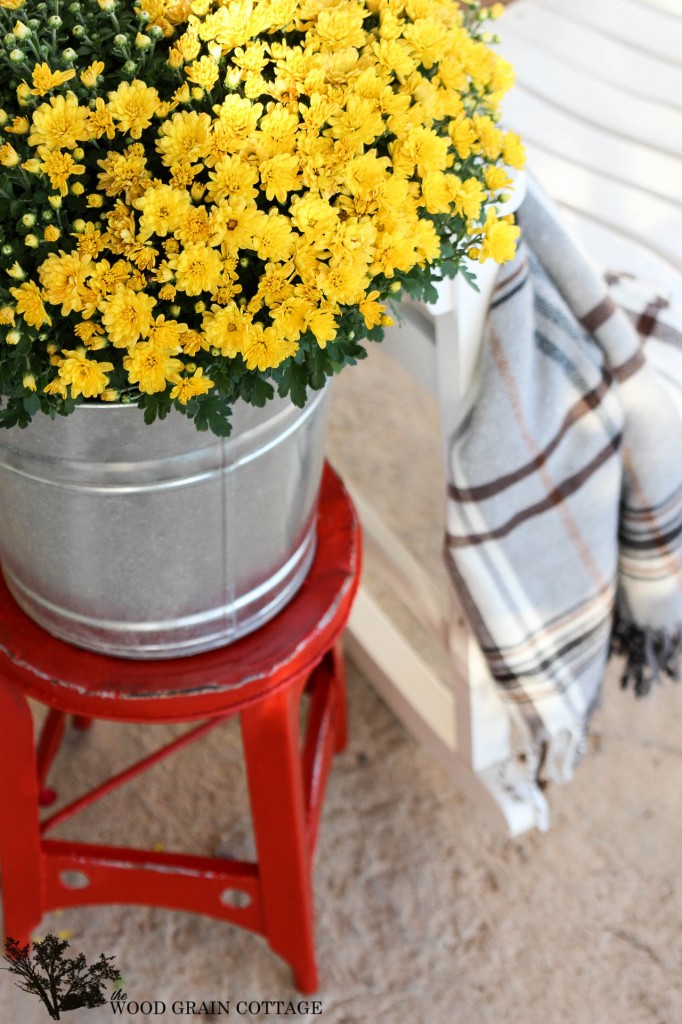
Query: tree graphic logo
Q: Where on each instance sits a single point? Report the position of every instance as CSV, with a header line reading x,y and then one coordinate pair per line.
x,y
60,982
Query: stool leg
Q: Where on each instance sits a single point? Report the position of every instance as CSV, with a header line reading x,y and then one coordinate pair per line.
x,y
341,707
273,765
20,853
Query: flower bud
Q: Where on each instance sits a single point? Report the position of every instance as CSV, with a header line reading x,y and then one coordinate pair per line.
x,y
3,118
28,220
55,201
29,381
175,311
16,56
129,68
13,337
32,241
74,8
395,286
9,39
95,200
21,31
200,307
190,367
79,31
109,395
51,233
155,32
79,226
78,153
197,93
54,22
69,55
78,188
120,41
7,250
142,41
107,5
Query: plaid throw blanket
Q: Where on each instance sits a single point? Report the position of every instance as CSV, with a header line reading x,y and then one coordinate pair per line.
x,y
564,519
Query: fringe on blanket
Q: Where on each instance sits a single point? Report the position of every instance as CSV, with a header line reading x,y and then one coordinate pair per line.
x,y
649,653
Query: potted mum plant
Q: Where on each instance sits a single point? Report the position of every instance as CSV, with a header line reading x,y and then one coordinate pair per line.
x,y
207,206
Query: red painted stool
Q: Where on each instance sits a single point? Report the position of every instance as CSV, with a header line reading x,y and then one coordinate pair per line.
x,y
260,677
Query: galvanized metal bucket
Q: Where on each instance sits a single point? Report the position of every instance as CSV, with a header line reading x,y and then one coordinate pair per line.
x,y
158,541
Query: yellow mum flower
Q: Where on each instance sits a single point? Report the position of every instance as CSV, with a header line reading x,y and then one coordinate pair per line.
x,y
163,209
86,376
513,151
132,106
151,368
225,328
63,279
425,40
91,74
127,316
7,316
185,138
44,79
167,335
51,233
91,241
29,301
232,176
19,126
238,119
59,167
371,310
56,387
499,239
124,174
279,176
467,196
203,72
8,155
189,387
198,269
265,348
60,124
100,121
489,136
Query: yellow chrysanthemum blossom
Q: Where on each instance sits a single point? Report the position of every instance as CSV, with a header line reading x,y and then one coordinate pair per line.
x,y
186,388
60,124
151,367
86,376
499,239
127,316
132,107
44,79
63,279
29,300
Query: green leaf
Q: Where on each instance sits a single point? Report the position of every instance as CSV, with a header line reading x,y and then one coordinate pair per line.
x,y
214,415
294,383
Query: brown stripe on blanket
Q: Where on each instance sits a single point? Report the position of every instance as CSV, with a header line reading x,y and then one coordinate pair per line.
x,y
670,558
630,366
586,403
511,386
646,322
599,314
554,499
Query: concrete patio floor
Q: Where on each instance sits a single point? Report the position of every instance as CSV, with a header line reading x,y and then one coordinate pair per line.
x,y
424,914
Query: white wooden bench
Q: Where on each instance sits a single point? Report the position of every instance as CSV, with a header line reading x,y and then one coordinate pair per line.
x,y
598,103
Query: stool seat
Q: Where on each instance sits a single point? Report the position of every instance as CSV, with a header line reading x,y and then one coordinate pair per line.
x,y
86,683
262,678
